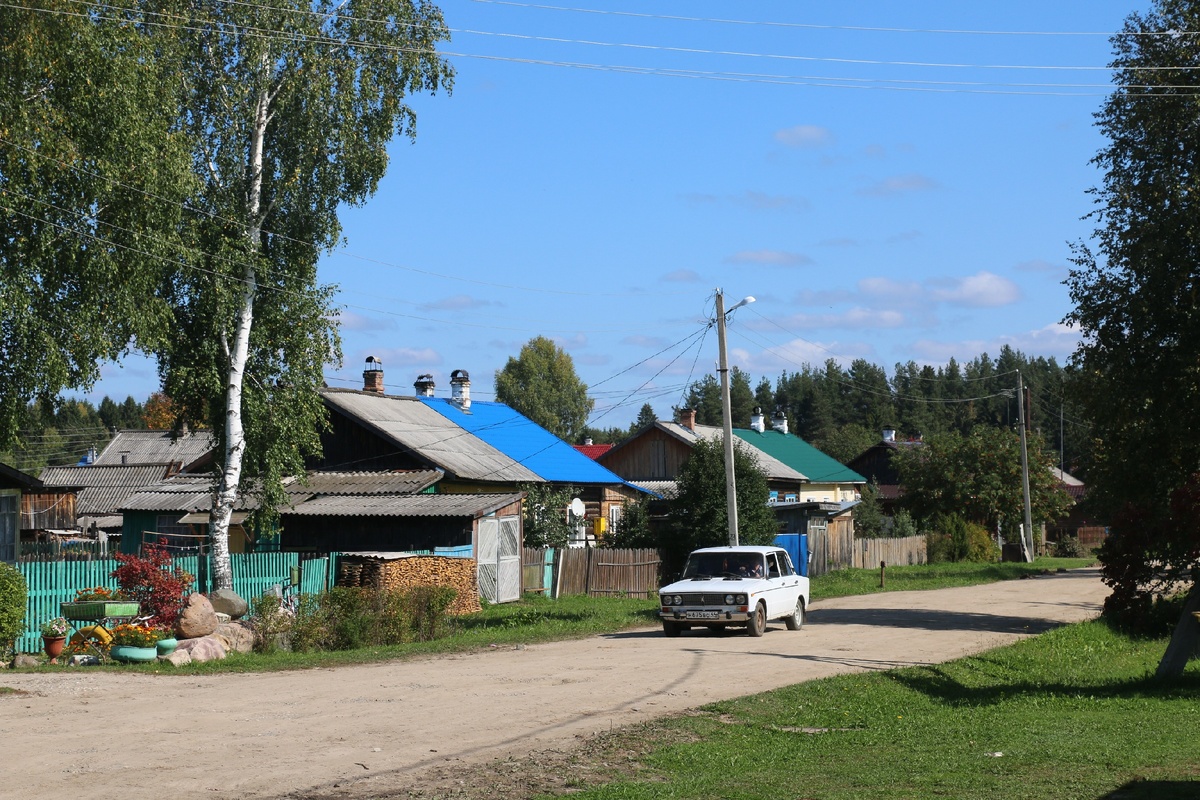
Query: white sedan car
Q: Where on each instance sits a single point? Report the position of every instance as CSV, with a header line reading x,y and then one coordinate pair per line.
x,y
735,587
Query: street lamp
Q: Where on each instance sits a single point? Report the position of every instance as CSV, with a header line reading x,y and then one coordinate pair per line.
x,y
726,422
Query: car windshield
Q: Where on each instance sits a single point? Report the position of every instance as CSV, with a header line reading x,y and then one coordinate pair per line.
x,y
728,565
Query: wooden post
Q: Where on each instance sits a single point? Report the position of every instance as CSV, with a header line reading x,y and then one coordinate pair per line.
x,y
882,568
587,575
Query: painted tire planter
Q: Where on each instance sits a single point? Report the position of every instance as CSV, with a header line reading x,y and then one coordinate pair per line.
x,y
129,654
165,647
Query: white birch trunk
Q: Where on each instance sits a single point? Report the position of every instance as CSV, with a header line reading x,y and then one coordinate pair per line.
x,y
235,437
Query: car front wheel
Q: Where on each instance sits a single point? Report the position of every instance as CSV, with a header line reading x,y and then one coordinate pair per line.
x,y
671,628
758,621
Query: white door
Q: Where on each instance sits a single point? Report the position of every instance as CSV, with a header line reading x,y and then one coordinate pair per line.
x,y
498,560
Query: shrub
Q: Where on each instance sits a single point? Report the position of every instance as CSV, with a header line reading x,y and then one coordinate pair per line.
x,y
427,609
154,582
952,538
271,622
1069,547
13,594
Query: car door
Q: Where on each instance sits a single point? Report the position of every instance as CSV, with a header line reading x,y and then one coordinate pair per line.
x,y
785,584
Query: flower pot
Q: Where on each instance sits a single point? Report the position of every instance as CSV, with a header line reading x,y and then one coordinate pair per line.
x,y
166,646
128,653
53,645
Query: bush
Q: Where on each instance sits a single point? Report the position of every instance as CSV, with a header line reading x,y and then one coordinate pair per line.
x,y
426,607
13,594
952,538
1069,547
155,582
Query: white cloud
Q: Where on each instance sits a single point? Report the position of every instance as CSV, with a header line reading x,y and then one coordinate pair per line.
x,y
1056,271
760,201
981,290
898,184
649,342
771,258
682,276
408,356
804,136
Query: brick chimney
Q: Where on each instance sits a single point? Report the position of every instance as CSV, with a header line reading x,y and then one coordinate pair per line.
x,y
687,418
424,385
460,389
373,375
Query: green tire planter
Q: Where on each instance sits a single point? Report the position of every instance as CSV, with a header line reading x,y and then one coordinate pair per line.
x,y
129,654
166,646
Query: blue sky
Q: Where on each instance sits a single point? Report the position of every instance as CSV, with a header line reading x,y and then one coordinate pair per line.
x,y
891,181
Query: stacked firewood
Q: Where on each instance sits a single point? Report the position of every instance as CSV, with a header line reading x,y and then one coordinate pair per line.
x,y
409,572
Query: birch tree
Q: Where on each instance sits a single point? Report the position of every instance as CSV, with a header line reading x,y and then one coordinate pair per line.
x,y
289,108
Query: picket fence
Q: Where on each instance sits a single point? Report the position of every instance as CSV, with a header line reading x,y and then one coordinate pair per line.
x,y
53,582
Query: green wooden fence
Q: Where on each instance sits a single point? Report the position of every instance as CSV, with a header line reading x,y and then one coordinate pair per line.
x,y
54,582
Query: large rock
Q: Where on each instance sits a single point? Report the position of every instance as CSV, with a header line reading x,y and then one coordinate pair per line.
x,y
179,657
197,618
236,637
206,648
22,660
227,601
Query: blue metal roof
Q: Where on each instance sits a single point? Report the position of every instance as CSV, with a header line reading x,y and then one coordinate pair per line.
x,y
524,441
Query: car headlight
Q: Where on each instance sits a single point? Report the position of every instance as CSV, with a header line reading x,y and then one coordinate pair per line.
x,y
665,599
678,600
728,599
741,599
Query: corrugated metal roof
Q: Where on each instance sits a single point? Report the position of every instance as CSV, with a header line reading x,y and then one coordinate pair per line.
x,y
773,467
664,489
799,454
524,441
415,426
102,489
366,483
410,505
155,447
182,493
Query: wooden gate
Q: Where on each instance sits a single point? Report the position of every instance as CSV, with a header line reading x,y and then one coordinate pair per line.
x,y
499,559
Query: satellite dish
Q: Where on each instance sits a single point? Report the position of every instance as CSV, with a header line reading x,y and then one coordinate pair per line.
x,y
577,508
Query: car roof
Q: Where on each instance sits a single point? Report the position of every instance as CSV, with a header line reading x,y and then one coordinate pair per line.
x,y
745,548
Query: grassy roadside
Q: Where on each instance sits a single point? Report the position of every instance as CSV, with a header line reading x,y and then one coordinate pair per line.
x,y
537,619
1070,714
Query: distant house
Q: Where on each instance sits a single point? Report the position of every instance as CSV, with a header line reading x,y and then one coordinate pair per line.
x,y
875,464
133,460
796,471
481,447
30,510
593,451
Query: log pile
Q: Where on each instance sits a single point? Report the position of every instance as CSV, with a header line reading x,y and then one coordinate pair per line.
x,y
408,572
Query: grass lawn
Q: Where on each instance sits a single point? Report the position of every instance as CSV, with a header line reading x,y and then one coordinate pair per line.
x,y
1070,714
845,582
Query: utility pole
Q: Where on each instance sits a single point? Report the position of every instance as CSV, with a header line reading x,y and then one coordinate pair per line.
x,y
1027,527
726,421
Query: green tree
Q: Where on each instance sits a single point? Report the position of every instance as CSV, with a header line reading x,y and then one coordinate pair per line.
x,y
704,396
847,442
645,418
284,131
541,383
633,527
979,477
93,175
546,514
1137,303
699,511
868,514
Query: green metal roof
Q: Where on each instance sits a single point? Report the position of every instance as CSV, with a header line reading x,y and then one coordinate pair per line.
x,y
800,456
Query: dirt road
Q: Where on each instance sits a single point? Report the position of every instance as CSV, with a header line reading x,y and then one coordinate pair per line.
x,y
361,730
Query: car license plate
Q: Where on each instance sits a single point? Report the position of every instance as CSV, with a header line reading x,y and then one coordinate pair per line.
x,y
702,614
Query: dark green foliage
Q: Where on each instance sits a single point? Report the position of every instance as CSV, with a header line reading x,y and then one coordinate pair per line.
x,y
952,538
1069,547
13,595
545,509
979,476
633,528
541,383
1136,302
699,512
868,514
426,609
352,618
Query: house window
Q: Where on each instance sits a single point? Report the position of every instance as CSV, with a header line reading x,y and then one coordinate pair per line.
x,y
614,515
9,526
